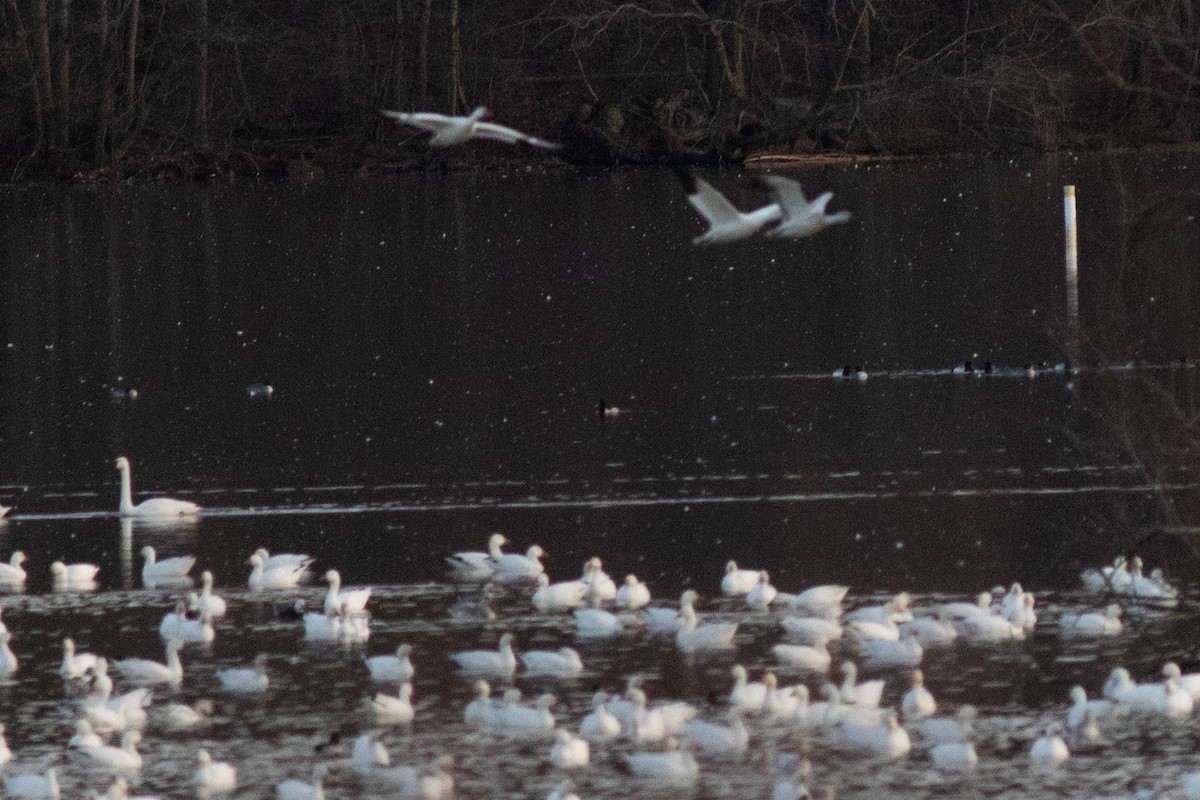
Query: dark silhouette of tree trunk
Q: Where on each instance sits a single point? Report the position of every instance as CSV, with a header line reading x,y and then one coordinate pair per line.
x,y
202,137
64,72
131,54
101,149
399,73
456,90
423,53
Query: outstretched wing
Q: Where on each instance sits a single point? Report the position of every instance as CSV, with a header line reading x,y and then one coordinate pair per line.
x,y
423,120
789,195
711,204
500,133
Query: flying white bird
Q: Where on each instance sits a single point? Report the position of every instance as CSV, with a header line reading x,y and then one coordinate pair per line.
x,y
800,217
725,223
449,131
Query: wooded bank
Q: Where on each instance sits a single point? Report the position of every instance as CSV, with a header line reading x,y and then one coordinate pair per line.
x,y
117,88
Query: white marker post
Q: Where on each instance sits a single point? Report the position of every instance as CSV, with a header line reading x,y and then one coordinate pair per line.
x,y
1071,252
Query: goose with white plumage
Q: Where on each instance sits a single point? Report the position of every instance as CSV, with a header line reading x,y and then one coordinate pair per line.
x,y
155,507
501,662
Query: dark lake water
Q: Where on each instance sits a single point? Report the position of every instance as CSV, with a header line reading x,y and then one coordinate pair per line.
x,y
438,345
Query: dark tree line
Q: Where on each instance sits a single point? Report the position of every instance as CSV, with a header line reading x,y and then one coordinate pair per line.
x,y
132,86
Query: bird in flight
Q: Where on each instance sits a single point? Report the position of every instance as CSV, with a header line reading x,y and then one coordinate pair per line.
x,y
449,131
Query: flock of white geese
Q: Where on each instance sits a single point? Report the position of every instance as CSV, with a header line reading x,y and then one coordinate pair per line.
x,y
654,743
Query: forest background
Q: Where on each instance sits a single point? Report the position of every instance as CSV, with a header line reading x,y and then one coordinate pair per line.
x,y
122,88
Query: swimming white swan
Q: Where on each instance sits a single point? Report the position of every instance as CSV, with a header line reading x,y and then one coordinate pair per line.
x,y
892,613
739,581
712,737
246,680
213,777
962,611
475,563
33,787
633,594
169,570
500,662
886,740
762,594
800,217
75,665
284,577
1113,578
118,713
207,603
12,573
123,758
1050,747
354,602
569,751
178,717
299,790
725,223
1022,614
785,702
155,506
1153,589
393,709
552,597
396,668
1166,697
563,663
866,694
513,567
448,131
73,576
144,672
918,701
673,766
481,712
600,724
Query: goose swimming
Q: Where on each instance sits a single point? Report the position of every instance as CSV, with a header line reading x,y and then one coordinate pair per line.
x,y
762,594
123,758
246,680
168,570
299,790
75,665
712,737
569,751
282,577
1050,747
396,668
155,506
672,767
178,717
501,662
434,782
798,216
480,712
692,636
563,663
886,740
213,777
739,581
207,603
552,597
73,576
746,696
633,594
1092,623
449,131
514,567
600,724
12,573
143,672
346,603
918,702
475,563
393,709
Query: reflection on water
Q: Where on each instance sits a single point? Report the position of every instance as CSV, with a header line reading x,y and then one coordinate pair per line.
x,y
438,346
